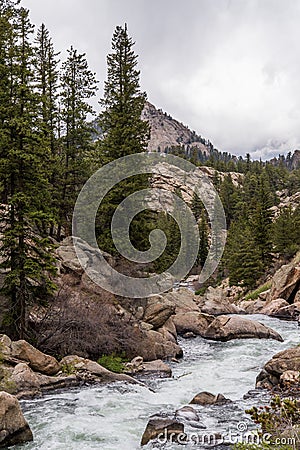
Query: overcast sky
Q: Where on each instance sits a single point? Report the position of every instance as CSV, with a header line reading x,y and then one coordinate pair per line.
x,y
229,69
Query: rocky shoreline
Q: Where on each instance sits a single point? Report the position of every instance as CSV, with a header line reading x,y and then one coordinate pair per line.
x,y
217,315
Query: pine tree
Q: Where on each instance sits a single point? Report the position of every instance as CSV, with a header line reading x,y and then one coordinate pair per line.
x,y
196,206
78,86
46,76
46,85
25,254
261,220
203,236
242,258
286,232
229,198
125,133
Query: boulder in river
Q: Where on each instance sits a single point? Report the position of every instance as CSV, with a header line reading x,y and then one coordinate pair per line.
x,y
206,398
14,429
192,321
154,345
225,328
287,360
165,430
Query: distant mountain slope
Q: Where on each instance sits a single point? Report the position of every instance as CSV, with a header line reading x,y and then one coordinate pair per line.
x,y
167,132
168,135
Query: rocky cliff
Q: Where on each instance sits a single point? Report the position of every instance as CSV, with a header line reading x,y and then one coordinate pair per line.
x,y
167,132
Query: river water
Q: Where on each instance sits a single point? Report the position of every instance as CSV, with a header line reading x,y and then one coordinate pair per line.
x,y
114,417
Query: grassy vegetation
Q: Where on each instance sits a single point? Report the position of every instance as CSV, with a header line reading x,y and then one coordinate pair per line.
x,y
253,295
114,363
68,369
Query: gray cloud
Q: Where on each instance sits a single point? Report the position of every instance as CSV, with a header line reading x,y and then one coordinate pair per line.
x,y
227,68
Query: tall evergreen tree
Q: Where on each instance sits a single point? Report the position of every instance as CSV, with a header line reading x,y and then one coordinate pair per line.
x,y
203,236
242,257
261,220
46,78
25,254
286,232
125,133
78,86
46,85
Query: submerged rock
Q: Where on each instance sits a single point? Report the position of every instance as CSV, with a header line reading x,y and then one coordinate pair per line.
x,y
225,328
14,429
189,415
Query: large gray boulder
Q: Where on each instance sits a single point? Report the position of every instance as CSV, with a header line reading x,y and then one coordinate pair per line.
x,y
192,322
287,360
225,328
37,360
154,345
14,429
158,310
252,306
184,300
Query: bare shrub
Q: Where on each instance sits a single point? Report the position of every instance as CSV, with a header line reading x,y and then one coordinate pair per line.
x,y
86,327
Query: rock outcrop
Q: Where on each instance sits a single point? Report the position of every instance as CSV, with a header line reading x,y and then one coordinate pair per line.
x,y
215,302
286,282
27,377
14,429
153,368
168,132
273,370
271,308
152,335
225,328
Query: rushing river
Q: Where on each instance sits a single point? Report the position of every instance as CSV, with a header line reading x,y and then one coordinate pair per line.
x,y
114,417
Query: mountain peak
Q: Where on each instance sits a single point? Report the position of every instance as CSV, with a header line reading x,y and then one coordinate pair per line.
x,y
167,132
